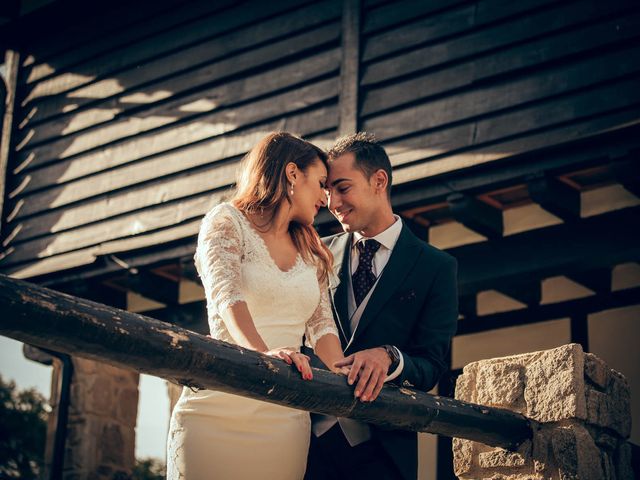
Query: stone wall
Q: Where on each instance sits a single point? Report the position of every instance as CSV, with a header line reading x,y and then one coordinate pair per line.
x,y
102,418
579,408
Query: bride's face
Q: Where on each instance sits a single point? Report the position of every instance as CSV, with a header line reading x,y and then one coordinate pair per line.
x,y
309,193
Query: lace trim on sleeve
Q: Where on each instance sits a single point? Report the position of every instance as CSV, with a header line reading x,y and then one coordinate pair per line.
x,y
321,323
218,257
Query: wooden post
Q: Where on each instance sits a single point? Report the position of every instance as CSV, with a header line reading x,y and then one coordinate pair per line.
x,y
349,69
60,322
12,63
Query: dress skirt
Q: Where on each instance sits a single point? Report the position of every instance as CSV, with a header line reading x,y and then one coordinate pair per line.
x,y
218,436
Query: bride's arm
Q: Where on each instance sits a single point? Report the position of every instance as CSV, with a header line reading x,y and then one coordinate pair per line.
x,y
240,325
322,333
329,350
218,261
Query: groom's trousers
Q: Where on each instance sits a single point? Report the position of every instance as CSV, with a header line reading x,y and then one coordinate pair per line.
x,y
332,458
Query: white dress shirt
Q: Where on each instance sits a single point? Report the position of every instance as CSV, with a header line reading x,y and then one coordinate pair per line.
x,y
354,431
387,240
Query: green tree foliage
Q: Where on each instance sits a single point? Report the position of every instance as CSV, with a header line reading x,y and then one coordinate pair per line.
x,y
148,469
23,431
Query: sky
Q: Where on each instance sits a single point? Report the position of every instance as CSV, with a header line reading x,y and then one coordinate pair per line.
x,y
153,406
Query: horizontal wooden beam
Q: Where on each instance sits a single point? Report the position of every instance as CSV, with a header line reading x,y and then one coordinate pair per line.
x,y
526,291
553,311
555,196
476,215
593,243
581,154
152,286
598,280
60,322
627,172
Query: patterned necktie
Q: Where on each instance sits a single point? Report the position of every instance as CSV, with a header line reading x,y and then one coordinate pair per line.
x,y
363,278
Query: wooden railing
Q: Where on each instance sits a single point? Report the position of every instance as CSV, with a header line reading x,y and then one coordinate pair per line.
x,y
72,325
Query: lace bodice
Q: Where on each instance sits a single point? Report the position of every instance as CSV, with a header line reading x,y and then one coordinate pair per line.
x,y
235,265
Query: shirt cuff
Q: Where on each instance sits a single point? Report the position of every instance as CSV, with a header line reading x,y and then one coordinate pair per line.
x,y
396,373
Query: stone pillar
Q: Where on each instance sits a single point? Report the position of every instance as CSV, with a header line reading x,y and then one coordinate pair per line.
x,y
102,418
580,411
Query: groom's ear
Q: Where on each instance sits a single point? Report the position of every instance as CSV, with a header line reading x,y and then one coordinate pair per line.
x,y
380,180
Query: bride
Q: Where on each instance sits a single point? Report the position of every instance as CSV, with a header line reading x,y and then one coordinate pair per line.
x,y
264,271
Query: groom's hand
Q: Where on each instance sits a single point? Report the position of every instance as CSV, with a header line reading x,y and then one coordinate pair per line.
x,y
370,368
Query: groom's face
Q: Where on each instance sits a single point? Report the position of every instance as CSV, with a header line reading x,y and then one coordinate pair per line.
x,y
351,196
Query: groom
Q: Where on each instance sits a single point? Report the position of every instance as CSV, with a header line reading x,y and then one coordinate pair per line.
x,y
395,303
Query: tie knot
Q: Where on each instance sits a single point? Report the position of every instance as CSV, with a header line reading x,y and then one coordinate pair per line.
x,y
368,248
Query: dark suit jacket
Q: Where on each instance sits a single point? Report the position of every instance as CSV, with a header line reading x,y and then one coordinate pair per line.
x,y
413,307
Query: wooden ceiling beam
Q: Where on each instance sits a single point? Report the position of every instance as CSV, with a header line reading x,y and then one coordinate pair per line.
x,y
555,196
192,316
476,215
152,286
627,172
553,311
597,242
188,270
527,292
597,280
468,305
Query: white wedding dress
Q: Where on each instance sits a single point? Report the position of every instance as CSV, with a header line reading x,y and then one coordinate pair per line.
x,y
216,435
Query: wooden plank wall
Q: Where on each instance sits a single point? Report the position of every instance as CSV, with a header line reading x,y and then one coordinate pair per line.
x,y
452,84
130,129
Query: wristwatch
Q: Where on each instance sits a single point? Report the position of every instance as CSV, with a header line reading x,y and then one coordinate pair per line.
x,y
393,355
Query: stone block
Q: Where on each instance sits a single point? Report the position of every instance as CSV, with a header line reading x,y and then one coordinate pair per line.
x,y
112,445
501,385
103,411
127,406
611,409
101,394
554,387
504,458
466,383
622,462
462,456
596,371
576,454
580,409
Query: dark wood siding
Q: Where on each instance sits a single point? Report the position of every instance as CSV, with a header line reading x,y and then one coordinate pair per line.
x,y
449,85
130,126
128,137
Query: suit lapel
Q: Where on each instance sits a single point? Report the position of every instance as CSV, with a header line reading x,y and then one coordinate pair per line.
x,y
402,259
340,247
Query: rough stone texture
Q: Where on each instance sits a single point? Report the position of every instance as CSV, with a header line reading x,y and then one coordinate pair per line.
x,y
596,371
554,387
501,385
102,418
505,458
463,456
580,410
576,454
609,408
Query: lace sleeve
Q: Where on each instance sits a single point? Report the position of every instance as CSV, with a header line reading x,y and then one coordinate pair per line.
x,y
218,256
321,323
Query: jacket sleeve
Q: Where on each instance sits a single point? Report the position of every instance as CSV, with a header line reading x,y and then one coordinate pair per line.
x,y
425,356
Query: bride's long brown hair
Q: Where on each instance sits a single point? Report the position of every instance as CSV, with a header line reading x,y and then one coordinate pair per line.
x,y
262,189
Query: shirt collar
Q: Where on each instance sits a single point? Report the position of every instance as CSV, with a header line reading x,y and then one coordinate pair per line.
x,y
387,238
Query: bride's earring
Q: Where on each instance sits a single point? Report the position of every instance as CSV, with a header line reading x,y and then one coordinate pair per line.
x,y
292,185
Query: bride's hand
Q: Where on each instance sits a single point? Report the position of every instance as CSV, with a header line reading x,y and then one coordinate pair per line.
x,y
293,357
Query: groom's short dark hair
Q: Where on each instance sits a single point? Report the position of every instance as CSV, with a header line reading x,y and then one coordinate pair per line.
x,y
369,155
